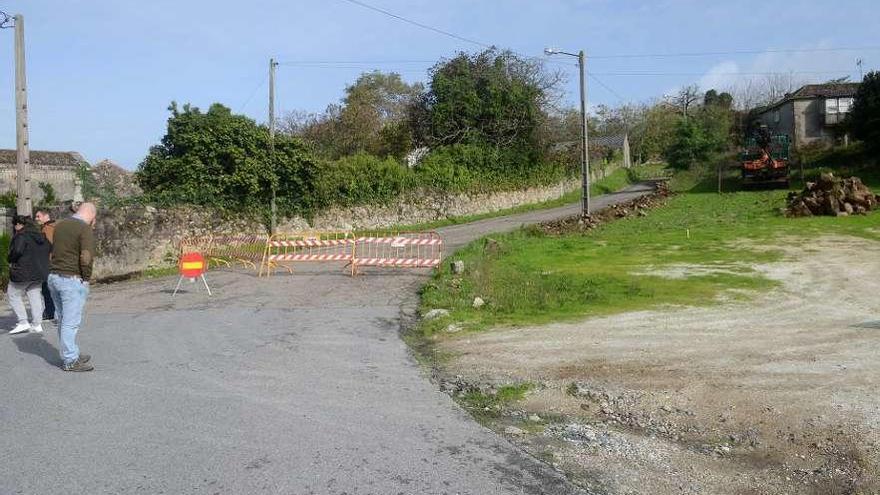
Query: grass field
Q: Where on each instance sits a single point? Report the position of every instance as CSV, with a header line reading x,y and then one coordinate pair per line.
x,y
615,181
528,277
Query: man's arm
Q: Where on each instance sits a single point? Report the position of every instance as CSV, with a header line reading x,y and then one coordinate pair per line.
x,y
16,249
86,253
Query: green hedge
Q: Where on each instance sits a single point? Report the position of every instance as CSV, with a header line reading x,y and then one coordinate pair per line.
x,y
366,179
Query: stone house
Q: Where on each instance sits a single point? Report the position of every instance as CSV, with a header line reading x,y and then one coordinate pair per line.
x,y
812,114
58,169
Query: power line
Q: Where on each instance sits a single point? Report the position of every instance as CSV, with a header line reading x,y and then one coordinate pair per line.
x,y
781,73
734,52
440,31
607,87
251,97
419,24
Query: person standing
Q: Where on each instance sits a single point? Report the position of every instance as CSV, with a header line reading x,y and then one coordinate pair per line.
x,y
28,268
71,268
47,225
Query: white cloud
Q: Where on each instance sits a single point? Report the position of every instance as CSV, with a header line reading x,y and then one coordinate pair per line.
x,y
784,71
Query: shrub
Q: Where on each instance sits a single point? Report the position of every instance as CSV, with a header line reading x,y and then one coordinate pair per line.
x,y
864,118
469,167
361,179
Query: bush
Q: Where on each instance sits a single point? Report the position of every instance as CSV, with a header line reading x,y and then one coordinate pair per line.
x,y
478,168
361,179
864,117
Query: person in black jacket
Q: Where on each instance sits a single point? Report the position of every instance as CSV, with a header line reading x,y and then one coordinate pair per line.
x,y
28,269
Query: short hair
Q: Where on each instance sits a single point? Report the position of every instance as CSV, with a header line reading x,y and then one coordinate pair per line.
x,y
21,220
45,211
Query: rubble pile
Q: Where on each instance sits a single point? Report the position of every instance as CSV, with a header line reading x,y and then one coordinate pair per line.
x,y
636,207
832,196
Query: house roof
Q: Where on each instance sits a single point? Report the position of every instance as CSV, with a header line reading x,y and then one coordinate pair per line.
x,y
812,91
43,159
831,90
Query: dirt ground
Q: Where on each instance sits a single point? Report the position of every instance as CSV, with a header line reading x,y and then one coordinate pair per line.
x,y
777,395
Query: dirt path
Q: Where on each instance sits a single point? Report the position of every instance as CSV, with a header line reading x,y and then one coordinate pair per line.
x,y
776,395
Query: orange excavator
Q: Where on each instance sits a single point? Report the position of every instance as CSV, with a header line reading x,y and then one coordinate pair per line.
x,y
765,159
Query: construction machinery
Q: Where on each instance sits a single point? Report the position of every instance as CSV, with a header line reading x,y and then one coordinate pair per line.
x,y
765,159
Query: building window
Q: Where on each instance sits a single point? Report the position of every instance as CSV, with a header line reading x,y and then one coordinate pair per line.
x,y
775,116
836,109
837,105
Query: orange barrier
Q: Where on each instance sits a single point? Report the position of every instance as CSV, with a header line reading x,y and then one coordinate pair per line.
x,y
402,250
226,249
284,249
386,249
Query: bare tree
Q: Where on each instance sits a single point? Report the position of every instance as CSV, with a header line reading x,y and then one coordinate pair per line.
x,y
686,97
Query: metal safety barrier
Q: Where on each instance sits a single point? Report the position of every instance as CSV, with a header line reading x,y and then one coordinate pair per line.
x,y
384,249
282,250
398,249
226,250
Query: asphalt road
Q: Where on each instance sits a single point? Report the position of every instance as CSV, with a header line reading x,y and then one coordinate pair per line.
x,y
289,385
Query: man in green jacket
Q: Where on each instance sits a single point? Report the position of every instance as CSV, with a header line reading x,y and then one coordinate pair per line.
x,y
73,254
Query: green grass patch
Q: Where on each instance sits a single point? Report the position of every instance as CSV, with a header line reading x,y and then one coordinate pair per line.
x,y
615,181
709,241
489,406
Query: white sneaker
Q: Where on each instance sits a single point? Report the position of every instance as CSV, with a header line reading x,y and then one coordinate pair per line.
x,y
38,328
20,328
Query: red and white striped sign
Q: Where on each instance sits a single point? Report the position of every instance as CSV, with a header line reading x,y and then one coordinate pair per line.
x,y
309,257
402,241
402,262
312,243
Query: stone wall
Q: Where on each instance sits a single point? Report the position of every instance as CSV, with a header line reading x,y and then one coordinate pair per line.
x,y
138,238
423,208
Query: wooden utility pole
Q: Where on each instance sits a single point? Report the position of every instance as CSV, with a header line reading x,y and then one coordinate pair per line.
x,y
23,189
273,222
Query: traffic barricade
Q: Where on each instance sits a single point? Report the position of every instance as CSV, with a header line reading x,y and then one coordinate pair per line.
x,y
400,250
283,250
246,250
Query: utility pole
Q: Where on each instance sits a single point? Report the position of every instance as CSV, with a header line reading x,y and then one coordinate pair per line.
x,y
274,211
585,148
23,161
585,152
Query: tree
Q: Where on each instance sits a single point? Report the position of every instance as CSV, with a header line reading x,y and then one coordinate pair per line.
x,y
370,118
721,100
654,133
689,145
491,98
220,159
686,97
864,116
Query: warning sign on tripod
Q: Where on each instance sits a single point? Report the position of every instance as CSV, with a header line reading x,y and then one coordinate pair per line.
x,y
192,266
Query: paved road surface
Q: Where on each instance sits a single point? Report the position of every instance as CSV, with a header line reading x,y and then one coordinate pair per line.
x,y
292,385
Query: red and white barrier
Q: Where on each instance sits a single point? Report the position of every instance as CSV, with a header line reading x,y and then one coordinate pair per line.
x,y
403,250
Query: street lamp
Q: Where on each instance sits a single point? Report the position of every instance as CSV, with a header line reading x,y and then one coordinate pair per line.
x,y
585,154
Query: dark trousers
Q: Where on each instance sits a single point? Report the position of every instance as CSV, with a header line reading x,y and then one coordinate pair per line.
x,y
49,311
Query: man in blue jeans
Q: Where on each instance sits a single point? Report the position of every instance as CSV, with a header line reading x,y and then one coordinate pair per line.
x,y
73,254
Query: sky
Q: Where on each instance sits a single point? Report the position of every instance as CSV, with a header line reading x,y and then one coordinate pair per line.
x,y
101,73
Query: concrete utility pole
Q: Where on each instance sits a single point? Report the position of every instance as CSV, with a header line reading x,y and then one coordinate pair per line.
x,y
23,189
274,211
585,148
585,152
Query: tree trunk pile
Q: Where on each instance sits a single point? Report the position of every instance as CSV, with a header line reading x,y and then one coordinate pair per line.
x,y
832,196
